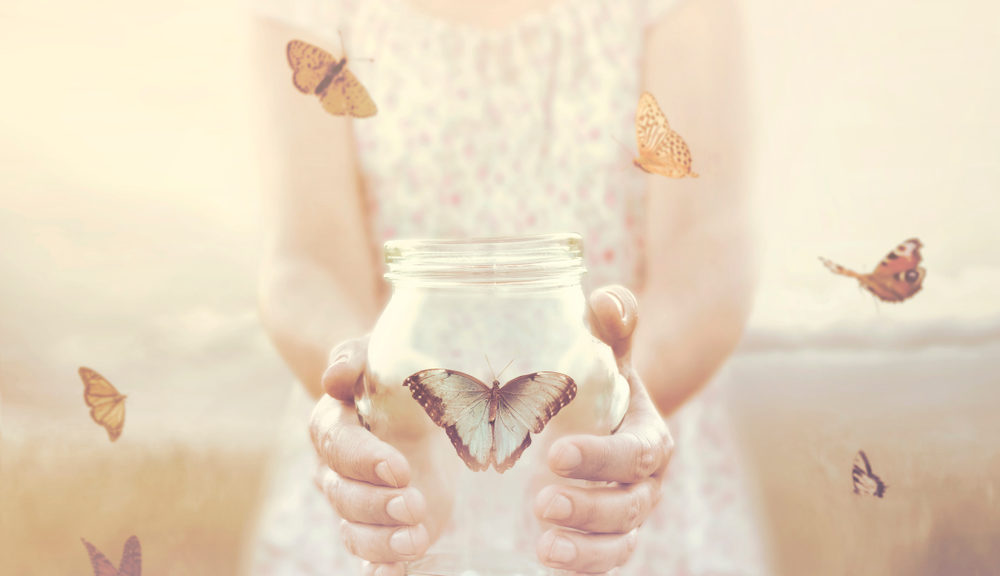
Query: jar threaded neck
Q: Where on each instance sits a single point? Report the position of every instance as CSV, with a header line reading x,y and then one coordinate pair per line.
x,y
548,260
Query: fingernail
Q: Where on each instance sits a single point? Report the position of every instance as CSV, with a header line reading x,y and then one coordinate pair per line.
x,y
618,303
568,458
398,510
559,508
341,358
401,542
384,472
562,551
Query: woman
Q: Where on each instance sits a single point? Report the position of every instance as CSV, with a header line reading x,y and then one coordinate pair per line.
x,y
499,119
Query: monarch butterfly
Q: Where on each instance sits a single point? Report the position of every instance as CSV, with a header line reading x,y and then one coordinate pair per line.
x,y
661,150
316,71
131,563
897,277
490,425
107,405
865,481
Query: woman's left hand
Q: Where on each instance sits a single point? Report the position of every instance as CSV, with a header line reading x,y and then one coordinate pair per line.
x,y
594,528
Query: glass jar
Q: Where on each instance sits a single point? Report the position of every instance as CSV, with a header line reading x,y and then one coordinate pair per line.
x,y
511,313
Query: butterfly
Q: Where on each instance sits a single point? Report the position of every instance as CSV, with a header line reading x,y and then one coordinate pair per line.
x,y
897,277
865,481
490,425
107,405
131,564
661,150
316,71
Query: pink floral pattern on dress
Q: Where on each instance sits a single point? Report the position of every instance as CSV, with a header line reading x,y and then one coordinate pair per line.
x,y
519,133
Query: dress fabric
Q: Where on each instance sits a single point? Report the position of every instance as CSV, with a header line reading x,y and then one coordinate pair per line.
x,y
512,131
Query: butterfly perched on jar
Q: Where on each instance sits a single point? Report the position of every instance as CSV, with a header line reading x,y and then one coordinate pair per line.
x,y
661,150
130,565
316,71
107,404
897,277
865,481
490,424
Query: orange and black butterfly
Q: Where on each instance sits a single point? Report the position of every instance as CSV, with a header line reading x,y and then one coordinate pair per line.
x,y
316,71
865,481
131,564
661,150
107,405
897,277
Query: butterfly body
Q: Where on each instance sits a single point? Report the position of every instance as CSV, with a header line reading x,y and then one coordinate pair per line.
x,y
897,277
107,405
316,71
490,424
865,481
130,565
661,150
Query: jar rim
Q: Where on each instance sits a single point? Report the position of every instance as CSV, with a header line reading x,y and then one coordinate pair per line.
x,y
538,260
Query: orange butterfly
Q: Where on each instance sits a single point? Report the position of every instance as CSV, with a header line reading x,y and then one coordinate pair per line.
x,y
897,277
107,405
661,150
131,564
316,71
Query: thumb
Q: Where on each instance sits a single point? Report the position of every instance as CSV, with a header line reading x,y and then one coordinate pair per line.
x,y
347,365
614,311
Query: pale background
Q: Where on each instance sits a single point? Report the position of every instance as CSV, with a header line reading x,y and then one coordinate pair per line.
x,y
129,220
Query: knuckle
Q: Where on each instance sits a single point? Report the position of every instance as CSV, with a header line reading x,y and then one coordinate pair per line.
x,y
646,456
627,547
634,505
348,538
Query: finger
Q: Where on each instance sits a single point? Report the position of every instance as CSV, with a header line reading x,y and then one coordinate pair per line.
x,y
614,312
606,509
588,553
352,451
347,364
367,504
373,569
627,456
385,544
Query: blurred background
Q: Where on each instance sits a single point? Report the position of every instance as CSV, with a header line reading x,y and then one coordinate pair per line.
x,y
129,236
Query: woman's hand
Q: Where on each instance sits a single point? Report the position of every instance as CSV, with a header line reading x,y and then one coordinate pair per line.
x,y
595,527
385,520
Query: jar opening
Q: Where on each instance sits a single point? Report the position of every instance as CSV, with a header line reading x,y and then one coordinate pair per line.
x,y
547,260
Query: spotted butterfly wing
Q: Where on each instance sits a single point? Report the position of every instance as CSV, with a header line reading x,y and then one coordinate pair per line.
x,y
865,481
316,71
490,425
131,564
897,277
107,405
661,150
102,566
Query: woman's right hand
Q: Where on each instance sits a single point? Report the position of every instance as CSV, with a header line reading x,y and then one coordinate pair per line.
x,y
385,519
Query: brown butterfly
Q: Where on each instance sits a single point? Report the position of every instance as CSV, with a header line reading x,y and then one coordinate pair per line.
x,y
107,405
865,481
490,424
897,277
661,150
131,564
316,71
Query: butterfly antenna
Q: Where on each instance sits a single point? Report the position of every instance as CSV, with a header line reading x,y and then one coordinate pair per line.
x,y
343,46
505,367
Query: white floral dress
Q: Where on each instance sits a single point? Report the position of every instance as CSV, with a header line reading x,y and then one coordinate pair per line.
x,y
513,131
